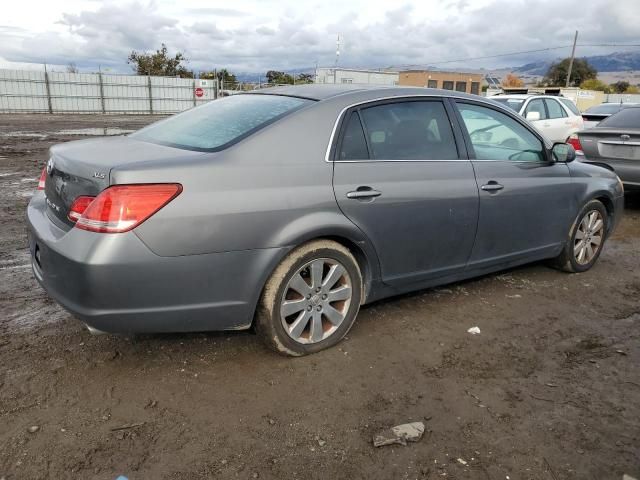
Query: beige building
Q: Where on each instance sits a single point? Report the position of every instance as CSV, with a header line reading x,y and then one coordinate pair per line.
x,y
459,81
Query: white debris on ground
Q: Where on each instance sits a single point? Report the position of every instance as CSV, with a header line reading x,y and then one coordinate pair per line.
x,y
400,434
474,331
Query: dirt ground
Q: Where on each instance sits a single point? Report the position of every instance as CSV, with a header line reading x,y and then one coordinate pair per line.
x,y
549,390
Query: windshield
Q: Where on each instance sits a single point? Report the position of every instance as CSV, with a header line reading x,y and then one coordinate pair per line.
x,y
513,103
220,123
625,118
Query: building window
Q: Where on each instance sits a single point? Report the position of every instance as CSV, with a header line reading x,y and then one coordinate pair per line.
x,y
447,85
432,83
475,88
461,86
347,80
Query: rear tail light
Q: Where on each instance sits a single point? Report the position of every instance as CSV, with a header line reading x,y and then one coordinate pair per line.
x,y
574,141
122,207
79,206
43,178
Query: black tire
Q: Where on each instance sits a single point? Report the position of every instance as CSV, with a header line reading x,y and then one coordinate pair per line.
x,y
269,324
567,260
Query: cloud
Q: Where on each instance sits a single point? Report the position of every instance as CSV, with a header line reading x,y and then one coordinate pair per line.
x,y
283,34
218,12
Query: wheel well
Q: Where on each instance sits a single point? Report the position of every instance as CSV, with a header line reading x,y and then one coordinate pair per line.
x,y
356,251
361,258
608,205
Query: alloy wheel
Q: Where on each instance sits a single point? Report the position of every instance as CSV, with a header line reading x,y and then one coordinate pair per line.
x,y
316,300
589,237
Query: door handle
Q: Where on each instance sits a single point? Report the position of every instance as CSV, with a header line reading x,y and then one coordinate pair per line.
x,y
492,187
364,193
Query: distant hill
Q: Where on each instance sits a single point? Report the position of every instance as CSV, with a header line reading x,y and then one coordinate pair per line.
x,y
613,62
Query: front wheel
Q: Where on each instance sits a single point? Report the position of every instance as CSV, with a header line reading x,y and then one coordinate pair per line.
x,y
311,300
586,239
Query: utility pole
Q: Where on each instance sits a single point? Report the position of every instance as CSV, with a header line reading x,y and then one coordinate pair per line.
x,y
573,54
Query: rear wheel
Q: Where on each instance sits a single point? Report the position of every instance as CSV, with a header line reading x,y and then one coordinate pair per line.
x,y
586,238
311,300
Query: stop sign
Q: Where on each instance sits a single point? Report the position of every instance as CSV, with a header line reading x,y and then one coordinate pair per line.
x,y
199,92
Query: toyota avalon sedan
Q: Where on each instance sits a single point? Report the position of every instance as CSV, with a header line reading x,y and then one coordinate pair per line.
x,y
614,142
285,210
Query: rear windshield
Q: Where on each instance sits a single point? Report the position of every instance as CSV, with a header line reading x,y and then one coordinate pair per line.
x,y
626,118
220,123
513,103
604,109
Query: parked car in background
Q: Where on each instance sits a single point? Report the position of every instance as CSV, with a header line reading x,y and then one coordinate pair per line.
x,y
594,115
286,209
555,117
614,142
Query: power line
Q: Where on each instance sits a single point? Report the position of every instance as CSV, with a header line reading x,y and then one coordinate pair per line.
x,y
521,52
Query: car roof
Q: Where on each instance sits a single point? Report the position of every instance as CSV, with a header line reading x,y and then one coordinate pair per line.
x,y
519,96
321,92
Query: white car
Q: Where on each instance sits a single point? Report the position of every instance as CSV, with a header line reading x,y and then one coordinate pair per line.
x,y
557,118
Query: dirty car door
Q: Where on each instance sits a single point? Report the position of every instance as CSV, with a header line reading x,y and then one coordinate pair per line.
x,y
398,176
526,199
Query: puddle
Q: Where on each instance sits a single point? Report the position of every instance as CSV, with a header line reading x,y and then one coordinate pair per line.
x,y
106,131
94,132
25,134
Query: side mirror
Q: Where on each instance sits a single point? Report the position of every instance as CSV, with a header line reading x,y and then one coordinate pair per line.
x,y
533,116
563,152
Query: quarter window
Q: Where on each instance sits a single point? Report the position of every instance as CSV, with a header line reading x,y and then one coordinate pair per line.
x,y
353,145
496,136
410,130
554,108
536,105
570,105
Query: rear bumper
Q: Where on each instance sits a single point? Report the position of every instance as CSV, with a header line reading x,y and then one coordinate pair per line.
x,y
114,283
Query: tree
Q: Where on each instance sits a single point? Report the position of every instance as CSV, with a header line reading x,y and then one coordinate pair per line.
x,y
620,87
71,68
160,63
274,76
223,75
581,71
595,84
632,89
305,78
512,80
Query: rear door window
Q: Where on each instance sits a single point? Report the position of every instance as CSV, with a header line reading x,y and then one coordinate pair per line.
x,y
536,105
554,108
409,130
220,123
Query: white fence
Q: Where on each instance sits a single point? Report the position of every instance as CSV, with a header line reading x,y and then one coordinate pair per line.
x,y
623,97
55,92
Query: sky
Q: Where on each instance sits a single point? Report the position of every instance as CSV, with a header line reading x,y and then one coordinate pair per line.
x,y
256,36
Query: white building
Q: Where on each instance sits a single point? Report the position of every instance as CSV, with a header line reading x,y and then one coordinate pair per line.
x,y
349,75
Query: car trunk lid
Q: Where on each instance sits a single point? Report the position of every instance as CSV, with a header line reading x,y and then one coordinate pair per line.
x,y
82,168
611,143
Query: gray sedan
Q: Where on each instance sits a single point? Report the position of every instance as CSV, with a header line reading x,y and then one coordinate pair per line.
x,y
287,209
614,142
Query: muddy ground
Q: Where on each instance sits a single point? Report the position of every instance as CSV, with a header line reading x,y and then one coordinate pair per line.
x,y
549,390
